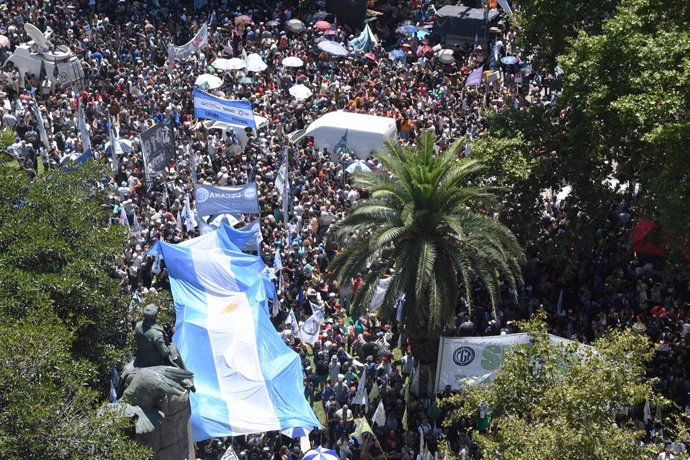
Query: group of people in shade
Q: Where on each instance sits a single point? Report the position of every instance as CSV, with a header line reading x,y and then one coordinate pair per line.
x,y
131,82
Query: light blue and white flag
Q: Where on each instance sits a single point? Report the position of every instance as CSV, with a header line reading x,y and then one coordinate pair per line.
x,y
83,130
247,379
341,146
292,321
40,124
115,147
212,107
247,238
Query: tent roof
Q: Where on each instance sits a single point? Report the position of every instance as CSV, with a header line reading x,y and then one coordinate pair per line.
x,y
353,122
465,12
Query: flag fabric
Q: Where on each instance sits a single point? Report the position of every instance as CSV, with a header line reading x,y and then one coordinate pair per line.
x,y
183,52
122,219
40,124
137,228
83,130
188,216
247,379
294,324
114,383
212,200
379,294
361,427
375,392
475,77
229,454
209,107
309,332
178,221
506,6
379,417
647,412
115,148
414,381
361,396
404,419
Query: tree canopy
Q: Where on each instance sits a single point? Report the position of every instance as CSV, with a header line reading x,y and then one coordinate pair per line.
x,y
429,229
564,401
62,316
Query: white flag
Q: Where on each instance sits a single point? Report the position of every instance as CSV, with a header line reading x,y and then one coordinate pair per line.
x,y
380,415
361,396
115,148
40,125
229,454
309,332
123,217
83,130
188,216
137,228
292,321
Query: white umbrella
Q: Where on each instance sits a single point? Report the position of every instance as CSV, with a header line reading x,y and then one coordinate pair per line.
x,y
358,166
334,48
125,145
255,63
300,92
206,80
229,64
224,219
295,25
292,61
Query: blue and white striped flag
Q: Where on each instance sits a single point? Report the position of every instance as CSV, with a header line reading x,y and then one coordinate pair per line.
x,y
40,124
83,130
247,379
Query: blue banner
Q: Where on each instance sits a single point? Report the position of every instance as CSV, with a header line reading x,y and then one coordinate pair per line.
x,y
211,107
212,200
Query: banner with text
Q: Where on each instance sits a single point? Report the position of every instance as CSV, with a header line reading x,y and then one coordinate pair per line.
x,y
183,52
210,107
476,359
212,200
157,148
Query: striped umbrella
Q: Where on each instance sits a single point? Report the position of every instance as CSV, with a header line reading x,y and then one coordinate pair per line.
x,y
320,454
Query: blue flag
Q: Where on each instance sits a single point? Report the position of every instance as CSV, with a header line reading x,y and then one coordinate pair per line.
x,y
247,379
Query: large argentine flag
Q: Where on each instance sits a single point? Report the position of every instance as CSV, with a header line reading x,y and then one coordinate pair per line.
x,y
247,379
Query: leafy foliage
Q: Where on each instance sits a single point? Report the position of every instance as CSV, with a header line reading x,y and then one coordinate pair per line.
x,y
430,221
63,319
46,411
556,401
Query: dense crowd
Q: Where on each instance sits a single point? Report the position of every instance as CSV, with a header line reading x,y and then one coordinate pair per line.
x,y
131,81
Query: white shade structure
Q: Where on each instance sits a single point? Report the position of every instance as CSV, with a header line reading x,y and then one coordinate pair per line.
x,y
334,48
208,81
229,64
300,92
292,61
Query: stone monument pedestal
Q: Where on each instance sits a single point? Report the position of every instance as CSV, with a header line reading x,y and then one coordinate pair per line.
x,y
170,441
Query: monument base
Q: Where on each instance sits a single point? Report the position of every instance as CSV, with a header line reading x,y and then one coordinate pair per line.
x,y
170,441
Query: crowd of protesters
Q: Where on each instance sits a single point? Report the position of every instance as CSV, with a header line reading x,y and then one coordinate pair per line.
x,y
130,80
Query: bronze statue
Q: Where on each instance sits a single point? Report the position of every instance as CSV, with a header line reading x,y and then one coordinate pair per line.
x,y
156,372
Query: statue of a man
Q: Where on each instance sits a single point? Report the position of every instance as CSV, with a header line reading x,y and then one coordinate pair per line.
x,y
149,339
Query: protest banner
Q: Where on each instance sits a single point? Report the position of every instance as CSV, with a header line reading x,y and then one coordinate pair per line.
x,y
183,52
157,148
210,107
213,200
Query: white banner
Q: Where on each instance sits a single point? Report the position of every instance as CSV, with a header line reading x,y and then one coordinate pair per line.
x,y
183,52
476,359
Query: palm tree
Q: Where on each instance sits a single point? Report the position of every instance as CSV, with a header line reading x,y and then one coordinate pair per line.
x,y
429,229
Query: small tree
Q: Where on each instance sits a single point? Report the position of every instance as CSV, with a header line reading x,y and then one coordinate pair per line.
x,y
556,401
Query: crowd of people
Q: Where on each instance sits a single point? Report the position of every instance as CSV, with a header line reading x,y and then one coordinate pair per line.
x,y
131,82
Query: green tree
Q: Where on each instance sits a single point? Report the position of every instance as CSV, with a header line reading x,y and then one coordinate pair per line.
x,y
46,411
429,224
62,316
57,251
546,27
562,401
